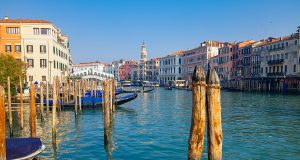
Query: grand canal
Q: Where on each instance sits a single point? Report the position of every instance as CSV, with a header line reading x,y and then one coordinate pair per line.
x,y
156,125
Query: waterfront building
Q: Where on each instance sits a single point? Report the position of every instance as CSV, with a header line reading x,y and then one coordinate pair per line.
x,y
199,56
91,70
114,67
240,51
126,70
225,63
152,67
170,68
40,44
280,57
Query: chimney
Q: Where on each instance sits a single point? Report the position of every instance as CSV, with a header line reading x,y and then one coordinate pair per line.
x,y
6,18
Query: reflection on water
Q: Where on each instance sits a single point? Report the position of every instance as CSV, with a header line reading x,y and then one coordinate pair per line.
x,y
156,126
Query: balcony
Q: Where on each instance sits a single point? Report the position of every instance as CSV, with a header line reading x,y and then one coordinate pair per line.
x,y
275,74
278,61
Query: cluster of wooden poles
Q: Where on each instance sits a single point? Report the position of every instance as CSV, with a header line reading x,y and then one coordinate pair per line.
x,y
206,103
69,93
279,84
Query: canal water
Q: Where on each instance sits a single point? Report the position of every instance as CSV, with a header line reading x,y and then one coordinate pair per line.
x,y
156,125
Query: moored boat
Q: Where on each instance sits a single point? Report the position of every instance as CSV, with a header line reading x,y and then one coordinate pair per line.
x,y
23,148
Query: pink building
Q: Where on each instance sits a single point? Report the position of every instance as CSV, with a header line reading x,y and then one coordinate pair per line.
x,y
199,56
126,70
225,62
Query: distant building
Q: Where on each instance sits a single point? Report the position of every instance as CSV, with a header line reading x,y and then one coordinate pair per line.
x,y
126,70
40,44
225,62
152,66
170,68
279,57
114,67
199,56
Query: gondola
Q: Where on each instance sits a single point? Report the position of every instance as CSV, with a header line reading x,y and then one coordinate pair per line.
x,y
23,148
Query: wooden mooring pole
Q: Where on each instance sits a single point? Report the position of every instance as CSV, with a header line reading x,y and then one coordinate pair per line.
x,y
9,107
21,103
2,124
75,98
214,127
54,111
32,117
42,100
47,97
79,94
196,139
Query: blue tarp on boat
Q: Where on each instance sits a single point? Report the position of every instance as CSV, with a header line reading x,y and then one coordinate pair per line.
x,y
21,147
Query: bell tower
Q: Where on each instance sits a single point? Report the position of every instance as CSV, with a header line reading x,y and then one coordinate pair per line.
x,y
143,53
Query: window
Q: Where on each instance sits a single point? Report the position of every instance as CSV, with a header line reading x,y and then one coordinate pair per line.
x,y
53,50
281,68
43,78
266,69
179,70
286,56
30,78
12,30
30,62
43,48
18,48
36,31
296,42
45,31
43,63
294,68
29,48
7,48
286,44
285,68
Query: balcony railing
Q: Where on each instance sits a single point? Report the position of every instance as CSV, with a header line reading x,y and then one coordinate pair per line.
x,y
275,74
278,61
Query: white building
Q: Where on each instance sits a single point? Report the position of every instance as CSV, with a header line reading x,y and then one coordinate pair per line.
x,y
43,47
114,67
279,57
170,68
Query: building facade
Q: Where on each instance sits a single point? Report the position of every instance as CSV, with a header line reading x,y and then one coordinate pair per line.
x,y
170,68
40,44
152,67
126,70
199,56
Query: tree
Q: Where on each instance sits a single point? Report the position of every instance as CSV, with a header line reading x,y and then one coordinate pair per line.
x,y
9,66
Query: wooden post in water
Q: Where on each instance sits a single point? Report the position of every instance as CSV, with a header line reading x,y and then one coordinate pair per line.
x,y
47,97
214,127
42,100
196,139
113,95
54,111
21,103
2,124
58,94
79,94
9,107
106,104
32,117
75,98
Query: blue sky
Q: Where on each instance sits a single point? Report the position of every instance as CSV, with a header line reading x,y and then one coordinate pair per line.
x,y
113,29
